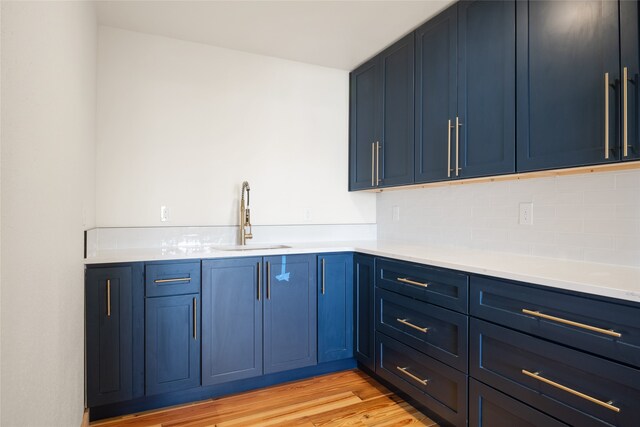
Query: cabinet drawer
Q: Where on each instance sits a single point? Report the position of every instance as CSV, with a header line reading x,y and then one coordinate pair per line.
x,y
490,408
575,387
503,302
441,287
437,386
172,279
435,331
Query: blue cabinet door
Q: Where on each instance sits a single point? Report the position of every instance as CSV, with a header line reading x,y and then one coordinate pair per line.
x,y
397,88
111,334
335,307
231,320
486,88
289,312
630,61
364,310
566,51
435,96
172,343
363,124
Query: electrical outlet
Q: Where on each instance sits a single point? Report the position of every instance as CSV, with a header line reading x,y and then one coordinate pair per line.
x,y
306,214
164,214
395,213
526,214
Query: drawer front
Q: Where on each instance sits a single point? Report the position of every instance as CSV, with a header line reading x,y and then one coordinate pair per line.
x,y
172,279
503,302
441,287
575,387
490,408
439,387
435,331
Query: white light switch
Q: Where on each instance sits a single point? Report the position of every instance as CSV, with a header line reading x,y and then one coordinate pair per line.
x,y
526,214
164,214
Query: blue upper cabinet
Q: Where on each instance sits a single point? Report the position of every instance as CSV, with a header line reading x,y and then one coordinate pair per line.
x,y
335,307
289,312
568,83
172,343
231,319
465,92
395,148
486,89
630,61
435,97
112,339
363,125
381,119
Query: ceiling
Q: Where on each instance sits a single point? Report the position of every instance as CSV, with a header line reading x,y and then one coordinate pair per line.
x,y
337,34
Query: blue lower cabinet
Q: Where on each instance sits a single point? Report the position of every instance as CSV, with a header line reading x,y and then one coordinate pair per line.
x,y
111,333
364,317
290,328
490,408
335,307
172,343
435,331
574,387
231,320
442,389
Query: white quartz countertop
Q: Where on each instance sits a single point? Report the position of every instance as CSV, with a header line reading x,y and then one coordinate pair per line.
x,y
599,279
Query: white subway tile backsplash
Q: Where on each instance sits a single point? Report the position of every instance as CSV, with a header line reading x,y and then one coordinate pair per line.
x,y
590,217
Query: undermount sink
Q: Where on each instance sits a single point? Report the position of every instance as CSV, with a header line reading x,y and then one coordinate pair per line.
x,y
251,247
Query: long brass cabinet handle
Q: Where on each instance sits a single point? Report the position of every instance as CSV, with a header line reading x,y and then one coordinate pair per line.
x,y
411,282
572,323
322,276
411,325
195,318
536,375
259,280
458,124
625,112
606,115
449,149
108,297
268,280
179,279
410,375
373,164
377,162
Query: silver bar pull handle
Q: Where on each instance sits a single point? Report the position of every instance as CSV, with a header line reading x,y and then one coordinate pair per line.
x,y
625,112
373,164
259,279
411,282
606,115
458,124
179,279
108,297
609,332
536,375
377,162
323,275
411,325
195,318
449,149
410,375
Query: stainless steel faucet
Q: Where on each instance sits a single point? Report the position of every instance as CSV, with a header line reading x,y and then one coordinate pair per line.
x,y
245,216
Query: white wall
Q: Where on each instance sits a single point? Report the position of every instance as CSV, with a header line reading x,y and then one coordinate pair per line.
x,y
48,130
182,124
593,217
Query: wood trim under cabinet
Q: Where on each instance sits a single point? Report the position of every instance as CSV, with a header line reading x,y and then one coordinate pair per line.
x,y
519,176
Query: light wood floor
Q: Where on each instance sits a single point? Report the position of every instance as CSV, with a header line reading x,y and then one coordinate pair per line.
x,y
349,398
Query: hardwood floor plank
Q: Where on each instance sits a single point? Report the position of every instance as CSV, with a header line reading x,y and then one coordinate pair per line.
x,y
348,398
